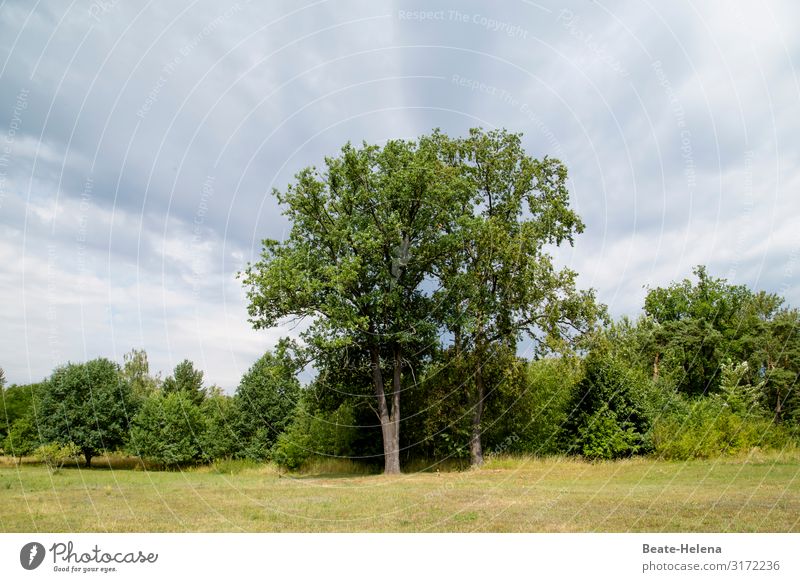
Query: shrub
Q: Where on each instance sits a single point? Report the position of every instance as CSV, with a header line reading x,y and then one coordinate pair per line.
x,y
608,419
22,438
729,422
55,455
535,412
168,430
708,427
325,434
218,437
604,436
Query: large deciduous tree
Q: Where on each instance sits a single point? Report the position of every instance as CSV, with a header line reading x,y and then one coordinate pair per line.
x,y
501,282
367,232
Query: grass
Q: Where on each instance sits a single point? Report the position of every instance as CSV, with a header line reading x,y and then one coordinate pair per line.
x,y
757,493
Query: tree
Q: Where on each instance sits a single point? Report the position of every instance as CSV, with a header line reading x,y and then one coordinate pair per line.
x,y
188,380
359,260
168,429
136,371
22,438
88,404
501,282
219,438
700,324
265,399
776,359
18,421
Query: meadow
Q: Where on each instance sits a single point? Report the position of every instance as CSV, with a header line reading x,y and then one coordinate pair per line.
x,y
759,492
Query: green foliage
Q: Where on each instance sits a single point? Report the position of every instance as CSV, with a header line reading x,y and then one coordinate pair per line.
x,y
707,427
55,455
168,430
265,400
17,402
22,438
315,433
439,427
699,325
605,435
219,438
292,449
136,372
87,404
187,380
367,234
537,413
729,422
742,398
499,283
527,404
608,417
775,357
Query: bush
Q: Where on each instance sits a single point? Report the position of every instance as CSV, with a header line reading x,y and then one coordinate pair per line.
x,y
168,430
55,455
729,422
535,413
22,438
218,438
708,427
609,418
321,434
603,436
291,449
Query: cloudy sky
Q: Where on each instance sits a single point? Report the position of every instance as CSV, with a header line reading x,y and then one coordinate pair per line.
x,y
139,146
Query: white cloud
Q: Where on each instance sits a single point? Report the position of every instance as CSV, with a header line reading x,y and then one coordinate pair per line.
x,y
120,261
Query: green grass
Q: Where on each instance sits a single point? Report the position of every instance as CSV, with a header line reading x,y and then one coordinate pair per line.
x,y
758,493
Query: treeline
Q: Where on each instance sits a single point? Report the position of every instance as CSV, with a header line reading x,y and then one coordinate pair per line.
x,y
100,407
708,369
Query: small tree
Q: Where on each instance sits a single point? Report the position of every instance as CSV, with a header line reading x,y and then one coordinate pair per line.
x,y
55,455
86,404
168,430
266,397
220,437
136,371
16,402
22,438
188,380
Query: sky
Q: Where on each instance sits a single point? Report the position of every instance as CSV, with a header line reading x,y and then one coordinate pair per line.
x,y
140,143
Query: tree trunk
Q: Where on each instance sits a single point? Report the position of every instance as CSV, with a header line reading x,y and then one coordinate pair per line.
x,y
475,447
655,368
88,456
390,422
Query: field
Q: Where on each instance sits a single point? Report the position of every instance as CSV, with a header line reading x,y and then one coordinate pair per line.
x,y
758,493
